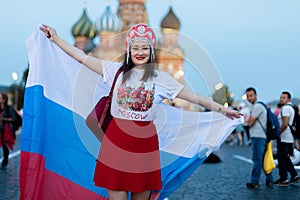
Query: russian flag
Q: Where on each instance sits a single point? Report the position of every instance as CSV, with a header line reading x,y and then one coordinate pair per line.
x,y
58,151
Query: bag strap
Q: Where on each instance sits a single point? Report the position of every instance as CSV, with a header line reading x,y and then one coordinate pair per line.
x,y
108,102
115,80
258,116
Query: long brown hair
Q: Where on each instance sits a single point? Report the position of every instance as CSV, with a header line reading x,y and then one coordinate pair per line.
x,y
5,98
5,104
149,68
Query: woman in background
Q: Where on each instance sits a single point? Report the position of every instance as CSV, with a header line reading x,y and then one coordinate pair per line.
x,y
7,117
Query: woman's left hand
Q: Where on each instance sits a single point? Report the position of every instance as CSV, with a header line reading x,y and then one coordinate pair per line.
x,y
49,32
231,114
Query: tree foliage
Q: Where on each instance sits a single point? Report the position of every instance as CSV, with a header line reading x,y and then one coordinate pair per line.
x,y
223,96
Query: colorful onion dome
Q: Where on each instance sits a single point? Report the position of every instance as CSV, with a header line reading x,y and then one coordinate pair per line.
x,y
84,27
170,21
108,21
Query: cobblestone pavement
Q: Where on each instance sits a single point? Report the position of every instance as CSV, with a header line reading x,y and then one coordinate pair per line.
x,y
227,179
9,178
224,180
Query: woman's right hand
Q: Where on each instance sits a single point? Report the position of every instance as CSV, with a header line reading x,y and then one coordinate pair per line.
x,y
88,61
49,32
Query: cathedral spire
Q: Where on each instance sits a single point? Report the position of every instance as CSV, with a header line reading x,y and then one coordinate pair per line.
x,y
84,32
170,21
132,12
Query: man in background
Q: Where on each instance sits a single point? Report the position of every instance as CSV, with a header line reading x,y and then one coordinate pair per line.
x,y
285,142
258,124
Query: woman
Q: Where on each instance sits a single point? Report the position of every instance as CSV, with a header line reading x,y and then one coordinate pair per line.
x,y
7,116
129,156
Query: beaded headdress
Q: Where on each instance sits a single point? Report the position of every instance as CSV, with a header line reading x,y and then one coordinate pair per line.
x,y
140,32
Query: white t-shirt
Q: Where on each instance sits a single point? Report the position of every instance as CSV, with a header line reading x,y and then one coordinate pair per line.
x,y
260,113
134,99
286,111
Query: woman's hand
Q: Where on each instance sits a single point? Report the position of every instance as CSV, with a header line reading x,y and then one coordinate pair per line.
x,y
49,32
88,61
231,114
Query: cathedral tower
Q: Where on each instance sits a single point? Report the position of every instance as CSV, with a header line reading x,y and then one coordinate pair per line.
x,y
107,26
170,54
132,12
84,32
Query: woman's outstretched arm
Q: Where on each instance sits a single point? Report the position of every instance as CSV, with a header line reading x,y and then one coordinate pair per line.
x,y
89,61
207,103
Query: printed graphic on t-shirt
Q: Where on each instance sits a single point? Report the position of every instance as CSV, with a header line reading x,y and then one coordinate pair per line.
x,y
136,99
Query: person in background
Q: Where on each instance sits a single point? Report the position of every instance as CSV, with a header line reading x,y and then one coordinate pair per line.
x,y
295,158
297,134
245,110
7,117
239,130
285,142
278,109
258,139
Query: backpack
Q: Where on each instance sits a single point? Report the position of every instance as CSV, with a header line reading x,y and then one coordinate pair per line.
x,y
273,127
295,126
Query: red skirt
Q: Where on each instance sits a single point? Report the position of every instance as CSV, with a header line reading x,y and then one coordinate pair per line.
x,y
129,157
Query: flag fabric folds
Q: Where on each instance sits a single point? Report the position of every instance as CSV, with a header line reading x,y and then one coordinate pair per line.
x,y
58,151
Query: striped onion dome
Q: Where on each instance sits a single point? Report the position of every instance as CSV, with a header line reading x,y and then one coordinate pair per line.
x,y
108,21
84,27
170,21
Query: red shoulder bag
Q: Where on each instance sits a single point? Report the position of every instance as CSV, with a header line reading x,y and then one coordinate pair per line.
x,y
100,117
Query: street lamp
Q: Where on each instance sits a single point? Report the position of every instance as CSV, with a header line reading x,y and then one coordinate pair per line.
x,y
244,97
219,86
15,77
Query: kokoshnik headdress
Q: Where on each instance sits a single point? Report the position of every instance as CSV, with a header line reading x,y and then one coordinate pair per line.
x,y
140,32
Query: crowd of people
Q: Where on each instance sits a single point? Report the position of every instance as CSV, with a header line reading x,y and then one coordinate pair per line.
x,y
286,149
